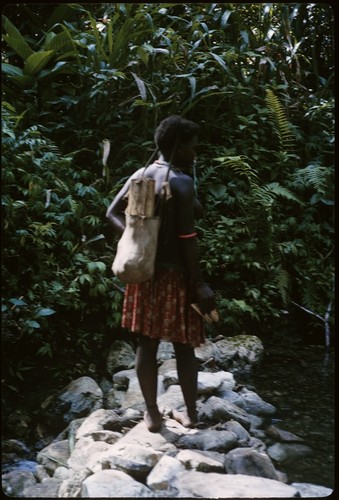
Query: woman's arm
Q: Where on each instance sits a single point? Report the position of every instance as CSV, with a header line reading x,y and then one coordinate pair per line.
x,y
183,192
116,211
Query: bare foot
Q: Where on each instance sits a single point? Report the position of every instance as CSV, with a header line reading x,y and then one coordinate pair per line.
x,y
184,418
153,419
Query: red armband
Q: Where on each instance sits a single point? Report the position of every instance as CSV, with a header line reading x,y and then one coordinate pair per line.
x,y
185,236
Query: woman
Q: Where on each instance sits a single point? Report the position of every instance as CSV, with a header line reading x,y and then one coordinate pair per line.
x,y
161,308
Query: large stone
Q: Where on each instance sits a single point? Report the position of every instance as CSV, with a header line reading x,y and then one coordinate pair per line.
x,y
134,459
244,436
78,399
309,490
71,487
209,440
171,399
250,462
206,351
169,365
213,485
162,474
284,453
203,461
111,484
54,455
15,481
254,404
121,356
239,353
84,450
134,398
163,441
219,410
121,379
165,351
47,489
99,420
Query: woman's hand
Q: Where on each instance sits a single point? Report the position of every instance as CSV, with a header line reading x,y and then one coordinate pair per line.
x,y
206,298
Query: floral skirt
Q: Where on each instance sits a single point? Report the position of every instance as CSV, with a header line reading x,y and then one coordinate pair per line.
x,y
161,309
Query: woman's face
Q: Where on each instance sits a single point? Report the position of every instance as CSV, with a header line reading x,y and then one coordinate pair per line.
x,y
186,154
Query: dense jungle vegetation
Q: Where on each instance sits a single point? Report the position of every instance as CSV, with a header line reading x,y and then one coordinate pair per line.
x,y
83,87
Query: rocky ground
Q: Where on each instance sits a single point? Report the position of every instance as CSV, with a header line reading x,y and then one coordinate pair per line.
x,y
104,449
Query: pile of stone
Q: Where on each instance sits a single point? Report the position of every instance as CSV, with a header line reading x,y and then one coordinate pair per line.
x,y
106,450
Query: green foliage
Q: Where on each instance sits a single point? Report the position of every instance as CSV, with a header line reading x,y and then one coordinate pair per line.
x,y
84,85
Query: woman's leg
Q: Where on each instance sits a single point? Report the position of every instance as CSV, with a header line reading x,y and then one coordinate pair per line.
x,y
147,371
187,368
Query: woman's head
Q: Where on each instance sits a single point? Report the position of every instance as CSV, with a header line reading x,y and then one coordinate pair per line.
x,y
176,138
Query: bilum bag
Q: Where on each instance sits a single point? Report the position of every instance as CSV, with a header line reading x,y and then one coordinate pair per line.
x,y
136,249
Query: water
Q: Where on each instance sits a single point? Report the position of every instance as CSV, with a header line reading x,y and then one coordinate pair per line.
x,y
20,465
299,382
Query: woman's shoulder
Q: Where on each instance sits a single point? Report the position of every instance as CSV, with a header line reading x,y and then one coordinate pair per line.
x,y
182,185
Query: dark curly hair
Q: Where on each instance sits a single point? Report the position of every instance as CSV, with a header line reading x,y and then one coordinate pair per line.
x,y
173,130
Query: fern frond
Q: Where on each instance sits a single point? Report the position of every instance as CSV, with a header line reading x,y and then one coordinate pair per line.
x,y
280,122
283,280
240,166
314,175
266,195
310,294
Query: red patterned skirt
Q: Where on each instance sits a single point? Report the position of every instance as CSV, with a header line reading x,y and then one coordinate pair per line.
x,y
161,309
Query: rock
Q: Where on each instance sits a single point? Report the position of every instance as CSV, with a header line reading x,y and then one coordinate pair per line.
x,y
165,351
113,483
61,473
308,490
203,461
239,353
209,440
71,487
211,382
218,410
114,398
15,481
242,434
206,351
163,441
250,462
284,453
41,473
134,398
99,420
121,356
70,431
254,404
170,365
134,459
230,395
47,489
84,450
171,399
78,399
212,485
122,379
13,449
54,455
162,474
280,435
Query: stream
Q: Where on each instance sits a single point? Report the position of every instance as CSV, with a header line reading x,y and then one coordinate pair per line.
x,y
299,381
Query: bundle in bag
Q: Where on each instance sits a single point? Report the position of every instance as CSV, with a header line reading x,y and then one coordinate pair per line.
x,y
136,249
